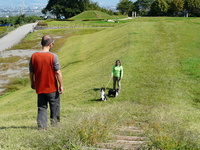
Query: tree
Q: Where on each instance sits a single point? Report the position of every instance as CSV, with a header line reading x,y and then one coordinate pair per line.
x,y
136,6
193,6
159,7
68,8
176,6
125,6
89,5
145,4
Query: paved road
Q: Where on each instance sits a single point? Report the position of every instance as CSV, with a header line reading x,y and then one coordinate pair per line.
x,y
15,36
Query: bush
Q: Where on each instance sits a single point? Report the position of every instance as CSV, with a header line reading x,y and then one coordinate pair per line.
x,y
65,19
17,20
42,24
93,19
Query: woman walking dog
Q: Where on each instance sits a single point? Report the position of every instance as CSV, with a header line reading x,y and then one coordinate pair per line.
x,y
117,74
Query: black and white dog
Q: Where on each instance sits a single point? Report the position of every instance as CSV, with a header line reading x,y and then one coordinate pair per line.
x,y
103,94
113,92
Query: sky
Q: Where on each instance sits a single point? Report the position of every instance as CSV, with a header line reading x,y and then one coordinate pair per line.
x,y
44,2
107,2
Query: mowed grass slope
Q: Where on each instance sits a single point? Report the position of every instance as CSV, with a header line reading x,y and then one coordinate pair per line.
x,y
159,89
87,19
92,14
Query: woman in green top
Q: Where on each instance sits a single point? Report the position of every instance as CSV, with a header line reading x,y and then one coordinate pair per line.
x,y
117,74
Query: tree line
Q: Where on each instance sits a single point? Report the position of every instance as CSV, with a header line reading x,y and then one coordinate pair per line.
x,y
70,8
160,7
18,20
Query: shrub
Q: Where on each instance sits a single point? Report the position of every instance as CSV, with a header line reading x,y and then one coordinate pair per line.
x,y
42,24
93,19
65,19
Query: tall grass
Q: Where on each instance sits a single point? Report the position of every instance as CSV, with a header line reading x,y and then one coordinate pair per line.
x,y
157,89
15,84
3,30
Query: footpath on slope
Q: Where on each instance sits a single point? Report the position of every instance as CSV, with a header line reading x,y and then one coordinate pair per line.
x,y
129,138
16,36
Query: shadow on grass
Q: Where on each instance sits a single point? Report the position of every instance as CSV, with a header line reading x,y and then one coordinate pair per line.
x,y
18,127
99,99
96,100
98,89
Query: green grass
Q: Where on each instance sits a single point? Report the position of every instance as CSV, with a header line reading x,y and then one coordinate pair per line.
x,y
32,41
87,19
160,88
80,24
91,15
3,31
10,59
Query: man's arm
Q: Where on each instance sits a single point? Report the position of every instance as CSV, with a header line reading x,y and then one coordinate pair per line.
x,y
32,78
60,81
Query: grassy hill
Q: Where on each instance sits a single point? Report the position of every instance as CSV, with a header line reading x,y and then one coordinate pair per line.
x,y
92,14
160,88
87,19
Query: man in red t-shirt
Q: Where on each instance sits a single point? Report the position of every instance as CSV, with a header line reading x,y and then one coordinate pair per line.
x,y
46,79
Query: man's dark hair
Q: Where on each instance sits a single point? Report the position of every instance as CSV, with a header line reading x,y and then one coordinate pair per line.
x,y
46,40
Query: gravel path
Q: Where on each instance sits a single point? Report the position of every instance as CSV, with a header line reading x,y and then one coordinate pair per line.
x,y
15,36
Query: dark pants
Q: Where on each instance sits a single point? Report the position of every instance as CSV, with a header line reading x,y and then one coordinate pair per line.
x,y
54,102
116,80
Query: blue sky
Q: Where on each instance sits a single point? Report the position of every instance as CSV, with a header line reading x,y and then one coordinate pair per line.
x,y
107,2
44,2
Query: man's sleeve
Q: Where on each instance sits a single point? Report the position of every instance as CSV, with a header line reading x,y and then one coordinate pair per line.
x,y
56,63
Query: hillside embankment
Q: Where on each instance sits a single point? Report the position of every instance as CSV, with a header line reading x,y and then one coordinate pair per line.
x,y
160,88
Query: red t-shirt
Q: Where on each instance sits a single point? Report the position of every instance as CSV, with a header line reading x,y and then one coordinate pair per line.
x,y
44,65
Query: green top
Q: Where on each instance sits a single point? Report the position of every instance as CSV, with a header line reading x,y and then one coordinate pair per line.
x,y
117,71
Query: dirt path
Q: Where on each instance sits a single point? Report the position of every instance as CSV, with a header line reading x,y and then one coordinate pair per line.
x,y
16,36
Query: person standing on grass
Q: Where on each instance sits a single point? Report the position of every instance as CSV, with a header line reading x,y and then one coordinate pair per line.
x,y
117,74
46,79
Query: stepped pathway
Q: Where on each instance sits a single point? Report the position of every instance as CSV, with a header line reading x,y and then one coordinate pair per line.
x,y
129,138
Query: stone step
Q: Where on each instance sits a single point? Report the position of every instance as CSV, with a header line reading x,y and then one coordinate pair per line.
x,y
123,141
130,128
123,145
130,138
94,148
137,131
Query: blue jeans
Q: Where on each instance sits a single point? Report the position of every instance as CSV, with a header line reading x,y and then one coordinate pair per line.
x,y
54,102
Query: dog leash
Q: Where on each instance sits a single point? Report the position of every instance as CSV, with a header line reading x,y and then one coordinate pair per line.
x,y
108,83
